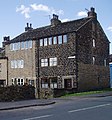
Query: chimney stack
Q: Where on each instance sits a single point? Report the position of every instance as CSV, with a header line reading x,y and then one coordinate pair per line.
x,y
92,13
55,20
28,28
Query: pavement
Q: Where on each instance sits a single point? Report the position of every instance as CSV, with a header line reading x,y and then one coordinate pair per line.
x,y
43,102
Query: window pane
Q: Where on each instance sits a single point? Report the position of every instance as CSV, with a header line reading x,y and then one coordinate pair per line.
x,y
12,64
50,41
44,62
59,39
64,38
22,45
93,42
26,44
45,41
54,40
22,63
41,42
53,61
30,44
18,46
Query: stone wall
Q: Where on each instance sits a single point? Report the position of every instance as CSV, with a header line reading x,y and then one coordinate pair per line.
x,y
92,77
3,70
28,71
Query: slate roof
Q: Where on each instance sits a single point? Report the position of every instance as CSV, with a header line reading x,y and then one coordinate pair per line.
x,y
50,30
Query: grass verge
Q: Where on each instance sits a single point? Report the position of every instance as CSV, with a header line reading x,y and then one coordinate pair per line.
x,y
86,93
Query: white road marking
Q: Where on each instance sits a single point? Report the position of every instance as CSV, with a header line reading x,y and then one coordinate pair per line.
x,y
88,108
34,118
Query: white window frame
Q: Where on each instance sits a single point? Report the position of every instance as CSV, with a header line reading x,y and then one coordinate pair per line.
x,y
45,42
30,44
64,38
20,81
26,44
41,42
60,39
94,42
93,60
55,40
44,62
53,84
22,45
50,40
53,61
44,84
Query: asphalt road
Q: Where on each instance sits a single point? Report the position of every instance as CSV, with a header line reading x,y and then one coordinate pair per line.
x,y
94,108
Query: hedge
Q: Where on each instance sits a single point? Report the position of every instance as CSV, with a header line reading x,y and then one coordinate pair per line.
x,y
15,93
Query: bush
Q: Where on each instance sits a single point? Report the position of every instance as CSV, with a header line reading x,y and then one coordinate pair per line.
x,y
15,93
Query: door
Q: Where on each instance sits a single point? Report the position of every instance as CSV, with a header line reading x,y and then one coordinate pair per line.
x,y
68,83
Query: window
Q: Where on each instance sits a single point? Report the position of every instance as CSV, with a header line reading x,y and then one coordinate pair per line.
x,y
105,63
93,42
64,38
18,46
44,62
53,61
13,64
20,81
22,45
41,42
17,63
26,44
60,39
30,44
22,63
11,46
13,83
45,41
54,40
44,83
53,82
93,60
31,82
50,41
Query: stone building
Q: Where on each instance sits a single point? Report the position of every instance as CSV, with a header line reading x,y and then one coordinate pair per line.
x,y
3,71
69,56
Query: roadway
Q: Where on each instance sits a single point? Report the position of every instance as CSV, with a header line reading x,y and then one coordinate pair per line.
x,y
90,108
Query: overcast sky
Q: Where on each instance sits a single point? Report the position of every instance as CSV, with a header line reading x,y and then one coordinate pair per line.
x,y
14,14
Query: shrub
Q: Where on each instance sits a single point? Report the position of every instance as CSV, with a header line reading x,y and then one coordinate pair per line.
x,y
15,93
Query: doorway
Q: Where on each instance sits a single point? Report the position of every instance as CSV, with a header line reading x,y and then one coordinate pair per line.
x,y
68,83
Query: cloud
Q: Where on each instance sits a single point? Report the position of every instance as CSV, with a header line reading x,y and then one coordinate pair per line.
x,y
82,14
38,7
109,28
24,10
65,20
45,8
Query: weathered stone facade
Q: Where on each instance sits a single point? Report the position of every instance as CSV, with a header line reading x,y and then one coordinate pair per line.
x,y
3,71
69,56
28,71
